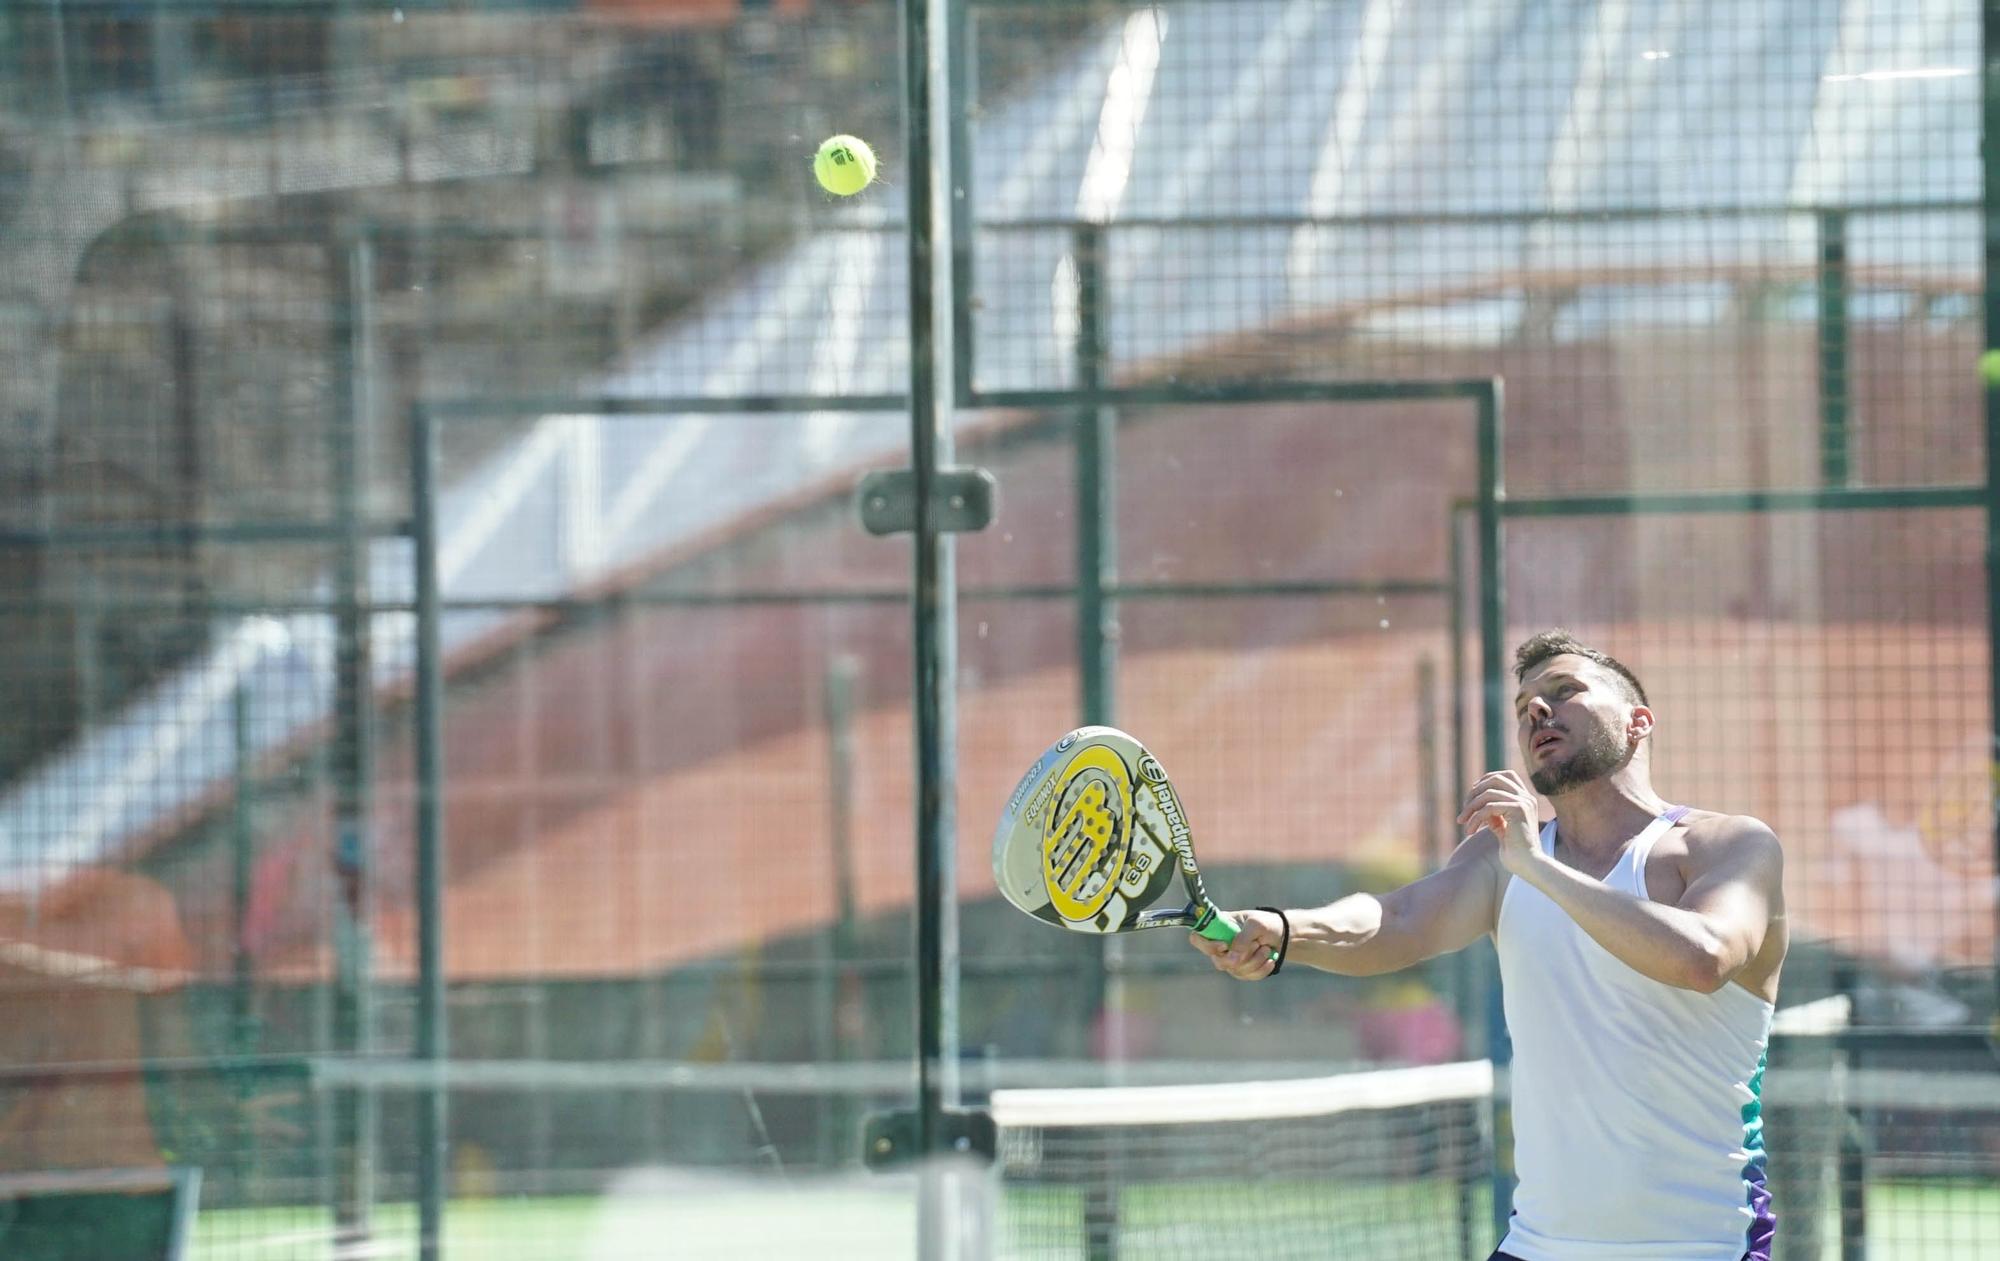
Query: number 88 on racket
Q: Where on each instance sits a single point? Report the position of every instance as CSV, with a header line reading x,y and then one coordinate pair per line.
x,y
1094,835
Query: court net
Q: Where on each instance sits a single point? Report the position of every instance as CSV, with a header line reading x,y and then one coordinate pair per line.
x,y
1397,1164
764,1158
1390,1164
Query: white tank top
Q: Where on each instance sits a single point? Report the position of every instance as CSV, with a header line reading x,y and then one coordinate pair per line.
x,y
1638,1133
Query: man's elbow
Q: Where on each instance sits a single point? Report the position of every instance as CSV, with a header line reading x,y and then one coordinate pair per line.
x,y
1709,966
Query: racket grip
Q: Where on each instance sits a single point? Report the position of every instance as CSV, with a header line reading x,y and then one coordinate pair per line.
x,y
1219,929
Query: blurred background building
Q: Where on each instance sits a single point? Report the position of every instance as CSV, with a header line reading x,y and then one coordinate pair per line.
x,y
1708,253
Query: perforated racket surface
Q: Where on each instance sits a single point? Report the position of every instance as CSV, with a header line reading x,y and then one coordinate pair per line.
x,y
1094,836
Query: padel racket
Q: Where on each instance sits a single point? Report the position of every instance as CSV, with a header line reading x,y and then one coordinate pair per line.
x,y
1092,837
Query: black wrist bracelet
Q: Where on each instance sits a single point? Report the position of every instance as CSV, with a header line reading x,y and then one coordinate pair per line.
x,y
1284,944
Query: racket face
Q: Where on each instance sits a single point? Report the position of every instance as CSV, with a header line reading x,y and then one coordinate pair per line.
x,y
1092,836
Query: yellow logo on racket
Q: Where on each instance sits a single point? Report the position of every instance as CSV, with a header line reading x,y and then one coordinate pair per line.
x,y
1086,834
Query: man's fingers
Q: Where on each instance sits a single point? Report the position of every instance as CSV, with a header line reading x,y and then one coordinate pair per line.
x,y
1253,941
1255,969
1225,953
1484,802
1491,796
1249,949
1248,970
1245,970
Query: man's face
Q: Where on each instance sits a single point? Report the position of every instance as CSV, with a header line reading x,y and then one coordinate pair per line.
x,y
1574,723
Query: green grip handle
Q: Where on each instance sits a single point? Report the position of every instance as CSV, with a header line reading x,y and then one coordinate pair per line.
x,y
1220,929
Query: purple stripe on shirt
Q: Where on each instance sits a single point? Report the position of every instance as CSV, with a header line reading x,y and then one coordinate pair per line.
x,y
1763,1220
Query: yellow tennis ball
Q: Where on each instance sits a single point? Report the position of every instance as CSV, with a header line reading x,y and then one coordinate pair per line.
x,y
844,165
1989,367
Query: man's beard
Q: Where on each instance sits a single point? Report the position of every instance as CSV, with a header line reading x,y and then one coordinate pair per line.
x,y
1598,756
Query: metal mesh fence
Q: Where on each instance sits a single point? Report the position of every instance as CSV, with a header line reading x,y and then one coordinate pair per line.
x,y
1726,267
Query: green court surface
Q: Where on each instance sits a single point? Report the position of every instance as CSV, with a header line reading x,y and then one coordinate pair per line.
x,y
1931,1221
1908,1221
844,1221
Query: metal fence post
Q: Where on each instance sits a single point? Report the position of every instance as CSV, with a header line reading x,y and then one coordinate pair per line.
x,y
431,1039
350,266
1494,713
934,605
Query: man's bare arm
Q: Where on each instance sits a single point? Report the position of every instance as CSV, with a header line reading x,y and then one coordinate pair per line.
x,y
1364,934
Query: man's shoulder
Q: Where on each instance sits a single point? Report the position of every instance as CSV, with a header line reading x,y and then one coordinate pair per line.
x,y
1712,834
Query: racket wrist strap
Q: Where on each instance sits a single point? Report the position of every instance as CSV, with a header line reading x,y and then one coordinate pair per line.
x,y
1284,942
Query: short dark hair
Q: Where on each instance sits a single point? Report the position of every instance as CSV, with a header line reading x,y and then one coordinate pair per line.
x,y
1557,642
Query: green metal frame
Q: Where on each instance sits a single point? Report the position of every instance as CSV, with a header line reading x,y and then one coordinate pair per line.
x,y
1095,393
356,1116
1487,513
1989,135
1833,499
937,959
1835,464
931,592
432,1028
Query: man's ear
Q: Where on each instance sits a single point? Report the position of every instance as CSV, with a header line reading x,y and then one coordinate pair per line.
x,y
1640,725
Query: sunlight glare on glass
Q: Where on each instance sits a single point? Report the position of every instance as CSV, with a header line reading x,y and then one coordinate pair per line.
x,y
1890,76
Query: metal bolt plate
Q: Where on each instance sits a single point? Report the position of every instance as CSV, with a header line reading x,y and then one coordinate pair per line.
x,y
962,500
